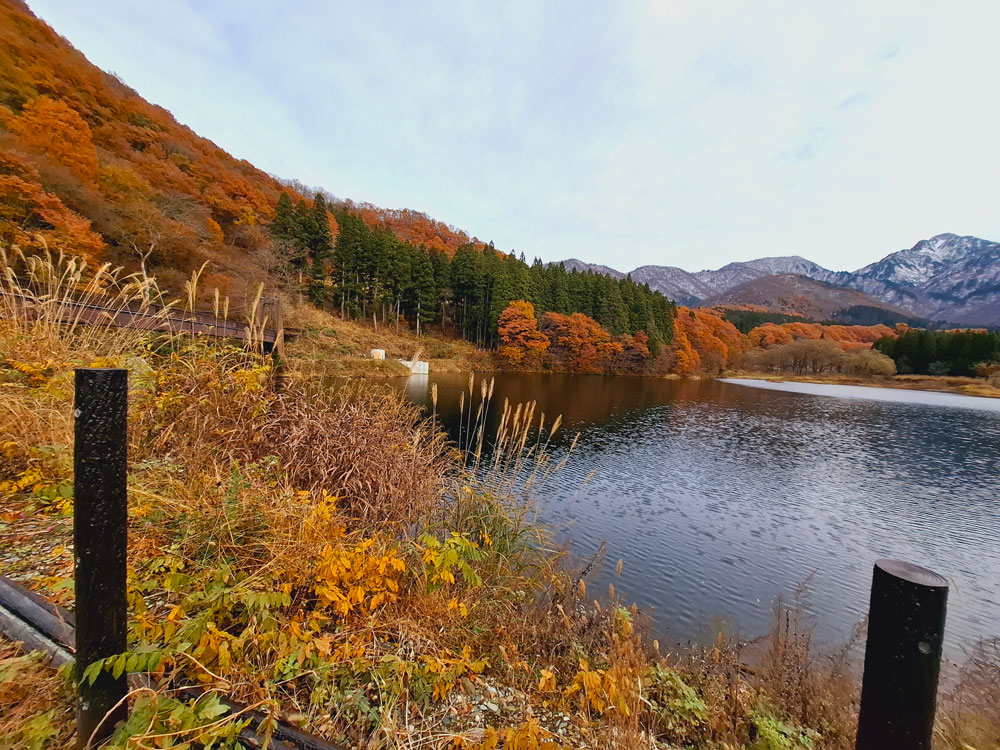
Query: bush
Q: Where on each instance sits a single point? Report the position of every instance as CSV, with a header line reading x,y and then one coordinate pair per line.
x,y
868,363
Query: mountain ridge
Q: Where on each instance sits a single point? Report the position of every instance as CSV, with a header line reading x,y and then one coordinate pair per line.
x,y
947,277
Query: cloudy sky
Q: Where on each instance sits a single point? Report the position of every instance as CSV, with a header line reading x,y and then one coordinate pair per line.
x,y
680,132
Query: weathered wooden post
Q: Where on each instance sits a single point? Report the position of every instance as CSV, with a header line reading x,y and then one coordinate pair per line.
x,y
99,530
902,657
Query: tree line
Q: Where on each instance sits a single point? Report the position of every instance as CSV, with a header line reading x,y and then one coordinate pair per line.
x,y
921,352
366,271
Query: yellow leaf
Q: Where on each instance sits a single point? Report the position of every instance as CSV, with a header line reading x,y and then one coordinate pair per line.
x,y
547,682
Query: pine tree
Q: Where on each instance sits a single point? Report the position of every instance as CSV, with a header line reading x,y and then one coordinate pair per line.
x,y
285,232
466,284
319,240
285,225
424,291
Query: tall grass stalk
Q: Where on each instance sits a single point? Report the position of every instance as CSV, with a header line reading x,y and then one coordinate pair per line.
x,y
53,305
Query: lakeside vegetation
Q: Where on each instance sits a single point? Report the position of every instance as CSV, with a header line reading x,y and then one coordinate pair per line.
x,y
330,559
392,591
382,593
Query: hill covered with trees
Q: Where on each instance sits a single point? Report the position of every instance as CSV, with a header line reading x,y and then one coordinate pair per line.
x,y
90,168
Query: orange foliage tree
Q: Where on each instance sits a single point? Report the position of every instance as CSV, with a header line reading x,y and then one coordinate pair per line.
x,y
849,338
704,341
579,343
53,127
521,343
32,218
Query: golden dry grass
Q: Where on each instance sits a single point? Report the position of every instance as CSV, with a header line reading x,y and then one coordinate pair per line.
x,y
328,345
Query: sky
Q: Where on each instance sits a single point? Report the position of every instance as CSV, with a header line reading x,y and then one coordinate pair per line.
x,y
626,133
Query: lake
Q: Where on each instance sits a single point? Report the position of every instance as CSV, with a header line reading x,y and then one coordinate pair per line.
x,y
721,496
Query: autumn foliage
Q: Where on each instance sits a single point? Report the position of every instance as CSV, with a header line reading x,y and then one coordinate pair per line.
x,y
34,218
569,343
521,343
579,344
847,337
90,168
704,341
415,227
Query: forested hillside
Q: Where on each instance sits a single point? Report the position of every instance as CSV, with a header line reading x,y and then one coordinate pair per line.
x,y
88,167
365,271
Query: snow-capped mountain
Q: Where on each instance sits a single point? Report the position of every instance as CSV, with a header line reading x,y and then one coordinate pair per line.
x,y
947,278
686,288
734,274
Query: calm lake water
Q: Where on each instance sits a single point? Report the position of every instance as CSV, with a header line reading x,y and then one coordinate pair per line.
x,y
721,496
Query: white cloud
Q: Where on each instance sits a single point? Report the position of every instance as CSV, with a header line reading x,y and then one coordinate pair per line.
x,y
683,133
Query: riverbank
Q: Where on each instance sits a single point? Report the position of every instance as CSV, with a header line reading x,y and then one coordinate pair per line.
x,y
942,384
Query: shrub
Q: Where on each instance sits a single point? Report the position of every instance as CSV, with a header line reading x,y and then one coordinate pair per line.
x,y
868,363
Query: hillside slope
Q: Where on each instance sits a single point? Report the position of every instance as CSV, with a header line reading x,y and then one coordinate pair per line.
x,y
90,167
797,295
734,274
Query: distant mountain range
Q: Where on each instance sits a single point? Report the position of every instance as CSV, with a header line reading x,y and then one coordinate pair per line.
x,y
810,298
946,278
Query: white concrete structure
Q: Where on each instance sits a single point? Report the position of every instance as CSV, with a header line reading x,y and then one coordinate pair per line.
x,y
377,354
418,367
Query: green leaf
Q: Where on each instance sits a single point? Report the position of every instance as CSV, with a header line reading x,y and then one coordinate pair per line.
x,y
119,665
91,672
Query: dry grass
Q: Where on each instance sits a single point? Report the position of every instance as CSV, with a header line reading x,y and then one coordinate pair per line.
x,y
812,690
37,708
364,444
43,301
329,346
969,713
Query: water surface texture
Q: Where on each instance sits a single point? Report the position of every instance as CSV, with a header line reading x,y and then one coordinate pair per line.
x,y
721,496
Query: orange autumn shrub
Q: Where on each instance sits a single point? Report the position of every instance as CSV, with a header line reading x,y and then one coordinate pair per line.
x,y
849,337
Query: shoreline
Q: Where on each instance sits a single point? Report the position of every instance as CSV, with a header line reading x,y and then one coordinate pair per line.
x,y
964,386
933,383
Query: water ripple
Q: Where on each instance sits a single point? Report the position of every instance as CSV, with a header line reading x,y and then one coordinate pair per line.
x,y
720,498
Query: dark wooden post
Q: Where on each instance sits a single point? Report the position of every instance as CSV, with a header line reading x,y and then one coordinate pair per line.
x,y
902,657
99,531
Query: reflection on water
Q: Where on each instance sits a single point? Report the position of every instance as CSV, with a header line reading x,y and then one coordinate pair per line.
x,y
720,497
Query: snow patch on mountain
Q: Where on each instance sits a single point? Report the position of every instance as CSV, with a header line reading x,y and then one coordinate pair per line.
x,y
946,278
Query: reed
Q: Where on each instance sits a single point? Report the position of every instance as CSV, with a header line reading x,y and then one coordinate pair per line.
x,y
48,304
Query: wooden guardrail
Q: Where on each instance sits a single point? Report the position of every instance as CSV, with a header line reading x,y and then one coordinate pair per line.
x,y
268,329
